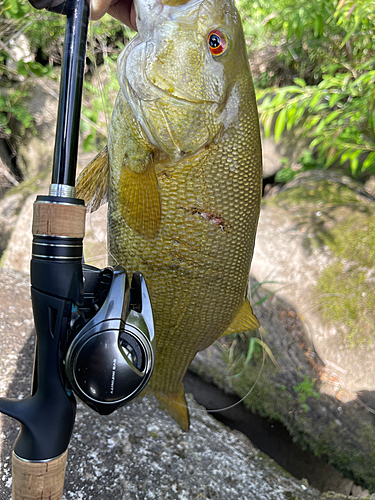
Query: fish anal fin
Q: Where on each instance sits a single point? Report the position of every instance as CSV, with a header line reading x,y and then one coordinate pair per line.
x,y
92,183
244,320
140,199
176,406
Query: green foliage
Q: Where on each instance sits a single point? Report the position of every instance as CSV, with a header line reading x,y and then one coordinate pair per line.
x,y
44,31
253,343
305,389
305,162
11,105
338,115
13,9
329,51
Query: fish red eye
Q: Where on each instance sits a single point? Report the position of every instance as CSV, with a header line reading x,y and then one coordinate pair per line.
x,y
217,42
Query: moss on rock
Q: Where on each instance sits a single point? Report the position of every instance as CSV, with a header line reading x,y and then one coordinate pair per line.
x,y
316,193
348,284
336,214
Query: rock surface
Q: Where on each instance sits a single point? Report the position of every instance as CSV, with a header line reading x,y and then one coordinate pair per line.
x,y
342,433
300,244
16,214
323,388
330,425
137,452
285,152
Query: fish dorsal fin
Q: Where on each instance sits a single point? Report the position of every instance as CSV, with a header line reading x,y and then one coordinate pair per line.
x,y
140,199
92,183
244,320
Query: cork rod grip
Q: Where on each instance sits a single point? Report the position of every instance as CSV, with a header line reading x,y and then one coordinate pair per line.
x,y
38,480
56,219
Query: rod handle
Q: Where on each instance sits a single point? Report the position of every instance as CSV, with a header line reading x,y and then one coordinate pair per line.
x,y
59,219
38,480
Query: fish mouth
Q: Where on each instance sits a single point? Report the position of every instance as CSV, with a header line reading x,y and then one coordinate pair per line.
x,y
141,94
134,84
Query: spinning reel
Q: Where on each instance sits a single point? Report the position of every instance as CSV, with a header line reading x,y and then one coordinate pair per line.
x,y
111,355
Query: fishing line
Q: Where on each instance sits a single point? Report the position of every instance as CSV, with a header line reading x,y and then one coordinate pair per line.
x,y
254,384
105,247
106,117
216,410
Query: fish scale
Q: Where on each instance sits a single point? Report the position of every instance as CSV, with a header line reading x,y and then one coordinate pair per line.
x,y
184,208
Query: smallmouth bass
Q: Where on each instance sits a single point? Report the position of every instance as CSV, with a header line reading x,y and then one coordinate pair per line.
x,y
183,172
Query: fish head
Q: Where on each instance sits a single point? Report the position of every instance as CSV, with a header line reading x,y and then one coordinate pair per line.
x,y
178,73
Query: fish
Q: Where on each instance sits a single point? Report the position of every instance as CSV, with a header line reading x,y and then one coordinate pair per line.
x,y
182,172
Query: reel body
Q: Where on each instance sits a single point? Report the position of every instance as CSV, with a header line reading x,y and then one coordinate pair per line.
x,y
111,357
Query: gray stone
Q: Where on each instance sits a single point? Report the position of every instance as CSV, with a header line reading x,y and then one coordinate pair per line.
x,y
9,209
138,452
286,152
18,253
291,249
20,50
342,432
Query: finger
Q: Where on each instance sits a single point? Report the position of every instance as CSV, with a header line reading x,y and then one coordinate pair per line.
x,y
123,10
98,8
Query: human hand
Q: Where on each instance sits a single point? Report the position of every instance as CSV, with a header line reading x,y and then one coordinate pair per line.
x,y
123,10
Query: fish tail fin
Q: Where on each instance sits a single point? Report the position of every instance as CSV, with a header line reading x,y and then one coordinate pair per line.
x,y
92,183
244,320
175,404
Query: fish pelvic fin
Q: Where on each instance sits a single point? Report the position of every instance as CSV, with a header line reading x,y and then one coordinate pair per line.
x,y
140,199
244,320
176,406
92,183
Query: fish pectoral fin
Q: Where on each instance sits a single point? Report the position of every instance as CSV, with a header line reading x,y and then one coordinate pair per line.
x,y
92,183
244,320
140,199
176,406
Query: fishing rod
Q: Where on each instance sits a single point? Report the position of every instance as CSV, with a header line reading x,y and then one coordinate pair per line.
x,y
94,330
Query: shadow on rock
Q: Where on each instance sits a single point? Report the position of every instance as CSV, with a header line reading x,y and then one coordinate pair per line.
x,y
301,392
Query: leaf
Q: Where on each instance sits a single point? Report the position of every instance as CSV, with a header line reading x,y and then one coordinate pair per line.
x,y
315,100
300,81
22,68
335,97
292,110
270,294
250,352
318,25
280,124
266,120
369,162
311,121
332,116
38,69
345,156
354,162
